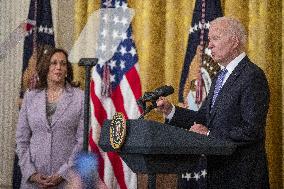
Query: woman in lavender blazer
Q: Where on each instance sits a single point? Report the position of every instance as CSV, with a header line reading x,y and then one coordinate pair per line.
x,y
50,127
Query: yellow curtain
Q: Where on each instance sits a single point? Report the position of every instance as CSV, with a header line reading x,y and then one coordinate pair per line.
x,y
161,31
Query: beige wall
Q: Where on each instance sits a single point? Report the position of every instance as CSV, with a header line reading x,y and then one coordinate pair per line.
x,y
64,23
11,15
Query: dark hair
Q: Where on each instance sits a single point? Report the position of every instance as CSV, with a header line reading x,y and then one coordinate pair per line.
x,y
43,68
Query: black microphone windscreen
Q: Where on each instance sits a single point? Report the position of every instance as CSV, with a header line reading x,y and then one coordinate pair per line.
x,y
153,96
164,91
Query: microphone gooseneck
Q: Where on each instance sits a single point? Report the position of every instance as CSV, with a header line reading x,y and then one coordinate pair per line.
x,y
153,97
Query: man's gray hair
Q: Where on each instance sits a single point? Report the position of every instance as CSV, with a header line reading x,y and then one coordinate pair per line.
x,y
233,26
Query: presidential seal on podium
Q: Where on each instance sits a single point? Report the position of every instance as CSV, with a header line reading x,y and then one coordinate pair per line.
x,y
117,130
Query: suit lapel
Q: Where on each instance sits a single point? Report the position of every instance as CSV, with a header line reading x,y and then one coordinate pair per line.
x,y
232,78
40,106
62,105
211,93
226,87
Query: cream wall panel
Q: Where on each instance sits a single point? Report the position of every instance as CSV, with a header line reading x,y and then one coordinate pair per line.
x,y
64,24
12,13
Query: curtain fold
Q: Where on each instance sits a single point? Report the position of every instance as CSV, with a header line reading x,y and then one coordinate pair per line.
x,y
83,9
282,93
176,35
80,19
265,50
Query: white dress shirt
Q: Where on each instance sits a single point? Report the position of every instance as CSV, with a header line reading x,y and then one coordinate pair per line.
x,y
232,65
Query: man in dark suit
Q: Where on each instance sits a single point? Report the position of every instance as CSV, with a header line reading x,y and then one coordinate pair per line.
x,y
235,110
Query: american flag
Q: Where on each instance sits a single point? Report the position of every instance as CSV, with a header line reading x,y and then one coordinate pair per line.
x,y
204,12
44,28
125,90
41,34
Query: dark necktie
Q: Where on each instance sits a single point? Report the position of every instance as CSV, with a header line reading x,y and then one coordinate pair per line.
x,y
218,85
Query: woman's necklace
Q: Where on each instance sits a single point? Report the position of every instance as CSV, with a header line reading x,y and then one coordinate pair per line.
x,y
53,96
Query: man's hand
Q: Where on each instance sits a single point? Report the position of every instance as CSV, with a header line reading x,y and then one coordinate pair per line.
x,y
164,106
199,128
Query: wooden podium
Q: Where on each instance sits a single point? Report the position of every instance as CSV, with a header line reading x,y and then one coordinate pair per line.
x,y
151,147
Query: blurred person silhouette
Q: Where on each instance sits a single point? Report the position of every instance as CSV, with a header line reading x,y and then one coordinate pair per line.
x,y
84,174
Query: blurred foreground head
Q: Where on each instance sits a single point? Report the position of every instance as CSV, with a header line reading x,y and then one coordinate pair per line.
x,y
84,174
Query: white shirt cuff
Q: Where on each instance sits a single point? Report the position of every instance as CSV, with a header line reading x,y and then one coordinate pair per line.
x,y
208,133
171,115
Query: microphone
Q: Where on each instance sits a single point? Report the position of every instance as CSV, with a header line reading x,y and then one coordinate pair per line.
x,y
153,96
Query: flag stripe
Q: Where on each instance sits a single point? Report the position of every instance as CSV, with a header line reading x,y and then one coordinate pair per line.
x,y
109,177
118,101
134,82
128,176
99,112
93,145
117,168
96,150
129,100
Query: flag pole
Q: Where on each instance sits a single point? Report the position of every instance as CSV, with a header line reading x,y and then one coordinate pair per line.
x,y
88,63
